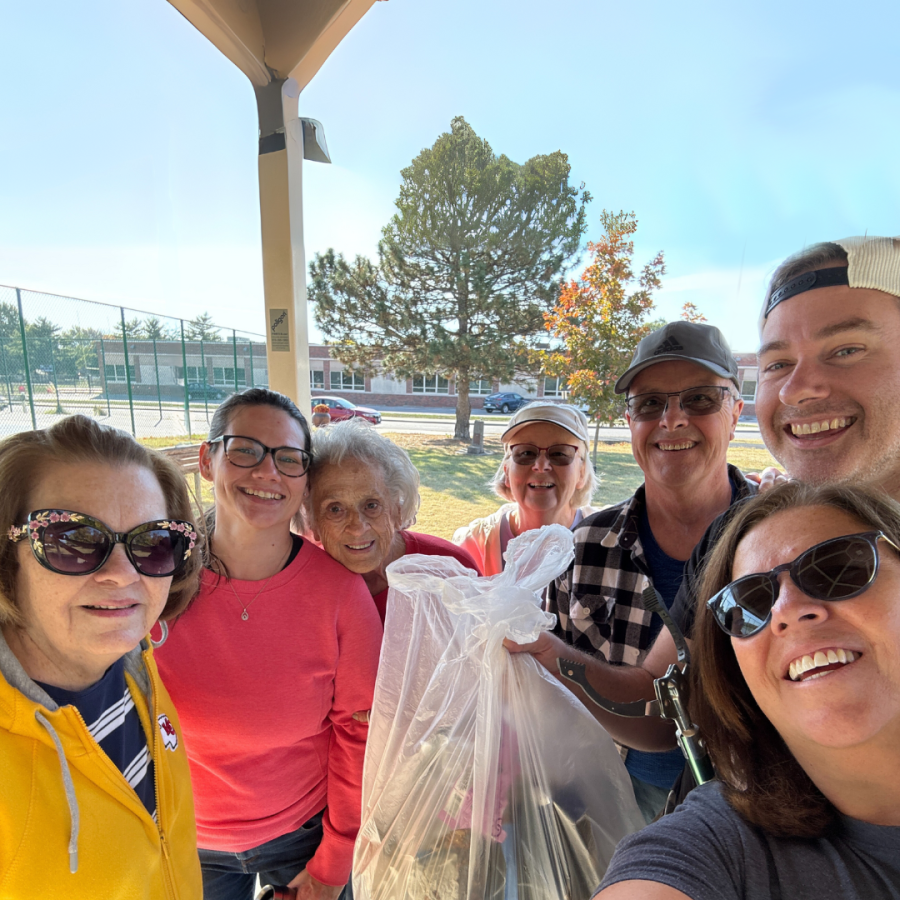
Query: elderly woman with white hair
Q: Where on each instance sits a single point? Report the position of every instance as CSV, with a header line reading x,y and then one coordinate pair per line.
x,y
363,500
546,474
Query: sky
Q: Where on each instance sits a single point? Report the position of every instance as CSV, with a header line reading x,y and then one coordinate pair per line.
x,y
736,133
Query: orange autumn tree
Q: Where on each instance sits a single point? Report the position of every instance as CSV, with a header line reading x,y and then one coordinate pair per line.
x,y
599,319
690,313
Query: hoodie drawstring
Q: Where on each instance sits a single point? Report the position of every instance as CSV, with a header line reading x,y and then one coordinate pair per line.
x,y
69,787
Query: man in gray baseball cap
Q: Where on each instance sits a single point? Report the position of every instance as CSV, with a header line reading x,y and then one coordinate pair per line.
x,y
682,408
829,373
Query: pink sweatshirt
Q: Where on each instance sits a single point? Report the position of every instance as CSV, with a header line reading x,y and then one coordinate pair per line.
x,y
266,705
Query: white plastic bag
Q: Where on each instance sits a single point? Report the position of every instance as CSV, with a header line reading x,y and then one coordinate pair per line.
x,y
485,779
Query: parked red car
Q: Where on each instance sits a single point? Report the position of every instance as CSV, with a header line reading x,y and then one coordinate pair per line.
x,y
341,409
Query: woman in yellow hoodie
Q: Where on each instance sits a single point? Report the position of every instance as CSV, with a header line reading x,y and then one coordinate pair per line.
x,y
96,795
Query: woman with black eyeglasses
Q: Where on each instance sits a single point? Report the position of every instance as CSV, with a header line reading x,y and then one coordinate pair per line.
x,y
267,667
96,544
796,691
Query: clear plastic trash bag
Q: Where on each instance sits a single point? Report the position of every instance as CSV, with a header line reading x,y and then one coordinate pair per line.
x,y
485,778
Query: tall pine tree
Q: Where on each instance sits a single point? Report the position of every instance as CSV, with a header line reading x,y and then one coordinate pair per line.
x,y
466,268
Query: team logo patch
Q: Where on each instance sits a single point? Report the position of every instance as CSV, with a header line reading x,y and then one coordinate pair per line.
x,y
168,732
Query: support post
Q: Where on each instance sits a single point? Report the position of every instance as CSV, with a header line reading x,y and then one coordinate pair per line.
x,y
234,347
205,380
59,410
6,373
158,388
25,359
105,377
187,396
284,257
127,371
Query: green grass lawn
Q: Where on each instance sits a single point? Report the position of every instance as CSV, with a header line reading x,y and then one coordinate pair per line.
x,y
454,485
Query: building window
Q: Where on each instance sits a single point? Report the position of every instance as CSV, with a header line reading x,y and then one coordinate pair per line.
x,y
554,387
748,390
195,374
316,380
347,380
483,386
430,384
225,376
117,373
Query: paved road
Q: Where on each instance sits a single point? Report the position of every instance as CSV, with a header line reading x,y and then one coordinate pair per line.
x,y
494,427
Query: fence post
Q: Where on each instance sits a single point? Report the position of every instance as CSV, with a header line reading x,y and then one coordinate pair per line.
x,y
59,409
205,380
158,388
187,396
25,359
252,381
127,372
6,372
234,347
105,377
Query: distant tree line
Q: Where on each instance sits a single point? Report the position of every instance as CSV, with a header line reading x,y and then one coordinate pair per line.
x,y
71,354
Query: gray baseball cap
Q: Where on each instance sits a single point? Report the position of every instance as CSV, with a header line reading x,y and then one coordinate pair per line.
x,y
687,341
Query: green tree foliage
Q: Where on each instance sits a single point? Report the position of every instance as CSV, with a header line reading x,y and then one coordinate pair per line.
x,y
466,268
598,323
153,329
202,328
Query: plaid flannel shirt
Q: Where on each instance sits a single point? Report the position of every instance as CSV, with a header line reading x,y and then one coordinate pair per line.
x,y
598,600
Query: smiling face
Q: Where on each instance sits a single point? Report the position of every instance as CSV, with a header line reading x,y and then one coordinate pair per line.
x,y
75,627
259,498
794,666
543,489
357,519
678,450
829,378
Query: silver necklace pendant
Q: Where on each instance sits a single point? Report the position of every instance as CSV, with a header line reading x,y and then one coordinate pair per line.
x,y
245,615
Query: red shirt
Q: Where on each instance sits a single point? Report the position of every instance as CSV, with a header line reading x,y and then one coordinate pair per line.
x,y
266,705
430,546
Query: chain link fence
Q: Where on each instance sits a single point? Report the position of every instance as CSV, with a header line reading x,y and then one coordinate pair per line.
x,y
151,375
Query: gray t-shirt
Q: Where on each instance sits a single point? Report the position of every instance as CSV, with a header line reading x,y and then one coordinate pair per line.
x,y
707,851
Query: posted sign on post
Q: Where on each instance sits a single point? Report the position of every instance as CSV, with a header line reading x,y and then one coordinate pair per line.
x,y
279,330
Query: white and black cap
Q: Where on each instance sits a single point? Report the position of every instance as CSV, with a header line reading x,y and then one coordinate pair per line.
x,y
872,262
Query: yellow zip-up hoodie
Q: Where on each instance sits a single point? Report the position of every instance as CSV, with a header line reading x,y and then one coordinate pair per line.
x,y
70,824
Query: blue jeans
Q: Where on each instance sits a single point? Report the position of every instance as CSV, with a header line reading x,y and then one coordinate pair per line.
x,y
232,876
651,800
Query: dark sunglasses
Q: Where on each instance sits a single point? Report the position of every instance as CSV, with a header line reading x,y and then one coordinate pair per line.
x,y
247,453
837,569
696,401
72,543
557,454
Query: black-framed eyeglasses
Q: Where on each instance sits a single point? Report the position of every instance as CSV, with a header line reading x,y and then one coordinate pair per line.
x,y
696,401
247,453
557,454
74,543
837,569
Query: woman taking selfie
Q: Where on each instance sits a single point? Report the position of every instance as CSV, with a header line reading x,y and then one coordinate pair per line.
x,y
96,544
267,667
797,695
